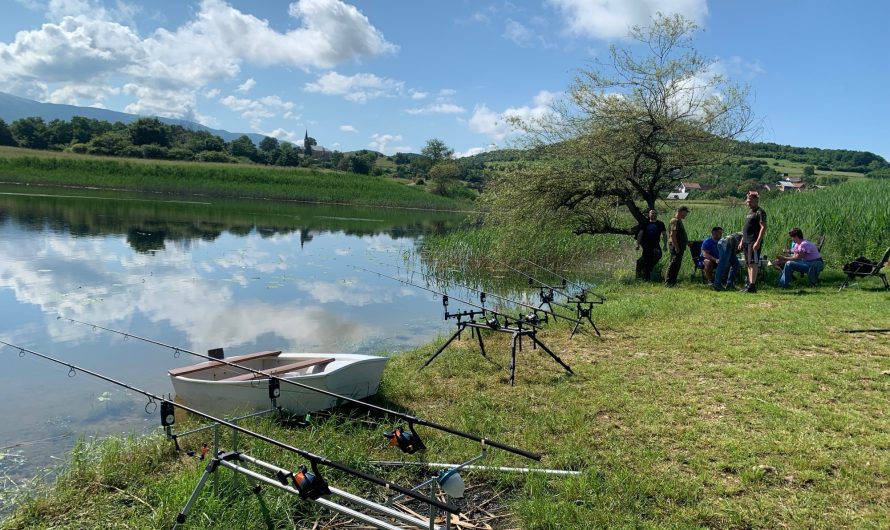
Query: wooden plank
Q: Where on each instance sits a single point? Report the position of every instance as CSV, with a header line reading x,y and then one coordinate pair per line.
x,y
213,364
293,367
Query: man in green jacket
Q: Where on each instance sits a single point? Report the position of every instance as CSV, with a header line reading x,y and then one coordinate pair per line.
x,y
677,241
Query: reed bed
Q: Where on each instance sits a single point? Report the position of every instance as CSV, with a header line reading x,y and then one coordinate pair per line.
x,y
853,218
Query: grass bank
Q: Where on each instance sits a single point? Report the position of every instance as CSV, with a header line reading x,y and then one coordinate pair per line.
x,y
214,180
693,410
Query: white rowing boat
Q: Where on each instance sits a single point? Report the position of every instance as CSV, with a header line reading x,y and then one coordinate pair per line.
x,y
221,389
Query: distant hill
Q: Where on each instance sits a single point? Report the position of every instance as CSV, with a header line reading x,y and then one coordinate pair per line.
x,y
14,108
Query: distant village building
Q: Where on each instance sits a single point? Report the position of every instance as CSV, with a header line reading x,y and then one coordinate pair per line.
x,y
311,148
791,184
683,190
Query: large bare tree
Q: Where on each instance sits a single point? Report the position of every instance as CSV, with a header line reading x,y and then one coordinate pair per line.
x,y
625,132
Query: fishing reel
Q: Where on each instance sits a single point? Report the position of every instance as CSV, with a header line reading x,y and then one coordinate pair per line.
x,y
546,295
534,318
408,441
309,484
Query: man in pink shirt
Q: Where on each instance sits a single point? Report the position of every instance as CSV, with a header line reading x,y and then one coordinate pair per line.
x,y
805,258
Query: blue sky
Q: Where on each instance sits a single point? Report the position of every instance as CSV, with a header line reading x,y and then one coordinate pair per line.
x,y
389,75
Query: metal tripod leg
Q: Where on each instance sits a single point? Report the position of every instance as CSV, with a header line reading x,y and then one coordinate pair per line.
x,y
513,358
460,328
594,326
211,468
574,329
481,346
555,357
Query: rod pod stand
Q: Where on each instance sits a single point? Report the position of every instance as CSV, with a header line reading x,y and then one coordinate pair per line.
x,y
516,332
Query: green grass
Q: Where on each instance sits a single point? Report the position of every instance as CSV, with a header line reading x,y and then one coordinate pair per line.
x,y
694,410
795,169
214,180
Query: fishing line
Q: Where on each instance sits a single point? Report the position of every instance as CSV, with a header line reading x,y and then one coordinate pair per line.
x,y
499,297
565,280
478,306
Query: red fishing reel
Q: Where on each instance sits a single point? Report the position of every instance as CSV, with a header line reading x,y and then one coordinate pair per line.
x,y
408,441
309,484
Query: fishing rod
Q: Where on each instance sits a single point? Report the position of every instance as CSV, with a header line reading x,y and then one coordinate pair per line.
x,y
583,306
565,282
530,320
532,280
167,418
409,442
429,276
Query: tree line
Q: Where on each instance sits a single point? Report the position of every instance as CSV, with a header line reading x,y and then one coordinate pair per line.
x,y
150,138
144,138
821,159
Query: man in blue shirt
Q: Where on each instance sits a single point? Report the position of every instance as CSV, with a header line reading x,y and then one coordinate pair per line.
x,y
710,254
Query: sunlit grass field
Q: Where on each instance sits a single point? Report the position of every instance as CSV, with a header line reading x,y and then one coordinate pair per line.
x,y
20,166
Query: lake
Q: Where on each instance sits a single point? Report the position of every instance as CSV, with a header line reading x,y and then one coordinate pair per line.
x,y
202,274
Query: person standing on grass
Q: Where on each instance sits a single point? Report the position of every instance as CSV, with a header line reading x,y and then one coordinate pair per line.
x,y
752,239
677,241
648,238
710,253
805,258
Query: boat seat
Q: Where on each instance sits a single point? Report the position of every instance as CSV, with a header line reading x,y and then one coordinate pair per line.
x,y
214,364
283,369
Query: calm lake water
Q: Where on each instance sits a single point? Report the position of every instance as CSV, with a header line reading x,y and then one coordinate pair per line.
x,y
245,276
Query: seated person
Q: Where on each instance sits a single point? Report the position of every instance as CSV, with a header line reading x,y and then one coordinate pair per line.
x,y
727,261
710,254
804,258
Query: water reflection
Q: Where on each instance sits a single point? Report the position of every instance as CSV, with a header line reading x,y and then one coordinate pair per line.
x,y
244,276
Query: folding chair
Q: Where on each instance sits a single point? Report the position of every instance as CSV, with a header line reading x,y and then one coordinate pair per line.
x,y
698,264
874,271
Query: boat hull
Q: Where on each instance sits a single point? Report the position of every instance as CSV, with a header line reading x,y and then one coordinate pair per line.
x,y
351,375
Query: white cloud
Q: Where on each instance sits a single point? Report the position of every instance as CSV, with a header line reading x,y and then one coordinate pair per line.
x,y
87,44
475,151
74,94
447,92
496,125
358,88
256,110
212,93
348,128
438,108
245,87
381,142
607,19
282,134
418,95
519,34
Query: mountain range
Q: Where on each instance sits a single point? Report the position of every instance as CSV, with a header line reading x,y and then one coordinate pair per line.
x,y
13,108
